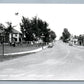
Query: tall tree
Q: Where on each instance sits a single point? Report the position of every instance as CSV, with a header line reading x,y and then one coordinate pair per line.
x,y
2,27
26,29
2,31
9,32
35,28
9,27
66,35
40,28
52,35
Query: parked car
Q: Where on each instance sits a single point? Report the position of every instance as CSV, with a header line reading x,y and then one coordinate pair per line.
x,y
50,45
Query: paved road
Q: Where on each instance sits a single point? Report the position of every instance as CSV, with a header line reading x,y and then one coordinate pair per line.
x,y
62,62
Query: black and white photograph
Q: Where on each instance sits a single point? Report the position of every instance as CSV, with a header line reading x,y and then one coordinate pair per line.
x,y
41,41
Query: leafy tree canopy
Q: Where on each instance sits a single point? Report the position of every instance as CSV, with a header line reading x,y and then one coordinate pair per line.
x,y
66,35
9,27
35,28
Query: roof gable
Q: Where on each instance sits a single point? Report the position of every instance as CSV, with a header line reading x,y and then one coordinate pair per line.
x,y
15,31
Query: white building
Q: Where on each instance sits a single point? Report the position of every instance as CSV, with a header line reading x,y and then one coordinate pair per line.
x,y
15,36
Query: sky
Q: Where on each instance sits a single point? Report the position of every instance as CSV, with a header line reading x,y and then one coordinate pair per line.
x,y
58,16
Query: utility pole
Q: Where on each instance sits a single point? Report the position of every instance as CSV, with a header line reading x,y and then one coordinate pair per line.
x,y
3,34
3,46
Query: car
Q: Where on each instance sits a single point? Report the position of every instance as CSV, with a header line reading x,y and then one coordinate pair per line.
x,y
50,45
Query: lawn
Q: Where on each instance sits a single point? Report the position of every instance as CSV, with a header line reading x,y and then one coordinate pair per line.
x,y
19,48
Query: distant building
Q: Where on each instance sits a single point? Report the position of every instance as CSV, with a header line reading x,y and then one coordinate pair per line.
x,y
73,40
15,36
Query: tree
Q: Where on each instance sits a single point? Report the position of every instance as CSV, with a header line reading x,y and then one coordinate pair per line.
x,y
52,35
2,31
8,32
9,28
80,39
65,35
1,26
35,28
61,38
39,27
26,29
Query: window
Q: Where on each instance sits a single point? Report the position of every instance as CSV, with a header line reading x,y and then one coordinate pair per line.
x,y
15,34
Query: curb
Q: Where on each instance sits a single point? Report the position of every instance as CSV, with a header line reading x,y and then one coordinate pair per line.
x,y
25,52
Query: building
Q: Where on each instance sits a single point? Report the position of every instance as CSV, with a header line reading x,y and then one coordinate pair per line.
x,y
15,36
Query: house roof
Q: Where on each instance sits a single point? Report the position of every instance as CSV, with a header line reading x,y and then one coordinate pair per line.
x,y
15,31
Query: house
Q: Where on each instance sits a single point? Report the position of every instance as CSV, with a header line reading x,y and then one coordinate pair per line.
x,y
73,40
15,36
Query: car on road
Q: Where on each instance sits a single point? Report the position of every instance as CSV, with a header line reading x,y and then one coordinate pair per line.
x,y
50,45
